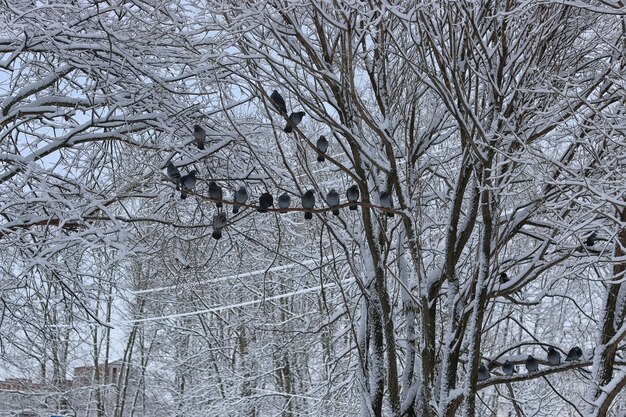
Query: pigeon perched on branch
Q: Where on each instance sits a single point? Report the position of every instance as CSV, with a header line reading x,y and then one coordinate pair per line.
x,y
199,136
508,368
332,198
279,102
215,193
322,147
294,120
284,201
554,357
574,354
219,222
386,202
308,202
483,373
531,364
188,183
353,196
265,202
241,196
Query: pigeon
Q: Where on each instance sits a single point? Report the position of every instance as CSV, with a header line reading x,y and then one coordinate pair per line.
x,y
284,201
483,372
504,278
386,202
353,196
219,222
591,239
279,102
508,368
574,354
332,198
215,193
554,357
322,147
241,196
188,183
199,136
294,120
174,174
531,364
308,202
265,201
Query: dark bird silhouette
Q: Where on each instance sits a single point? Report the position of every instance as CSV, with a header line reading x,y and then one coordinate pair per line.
x,y
386,202
199,136
322,147
531,364
188,183
508,368
215,193
279,102
294,120
241,196
332,198
504,278
574,354
554,357
219,222
352,195
308,202
483,373
591,239
174,174
284,201
265,202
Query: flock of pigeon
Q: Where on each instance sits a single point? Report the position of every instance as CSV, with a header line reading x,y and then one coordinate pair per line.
x,y
532,364
186,183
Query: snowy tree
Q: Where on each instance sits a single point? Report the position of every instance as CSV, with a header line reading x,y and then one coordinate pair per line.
x,y
486,140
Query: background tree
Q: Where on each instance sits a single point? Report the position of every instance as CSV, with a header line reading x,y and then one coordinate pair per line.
x,y
495,127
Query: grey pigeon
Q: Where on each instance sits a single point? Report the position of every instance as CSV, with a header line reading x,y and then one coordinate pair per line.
x,y
265,201
574,354
219,222
322,147
308,202
294,120
174,174
332,198
353,196
215,193
483,373
508,368
504,278
386,202
188,183
199,136
284,201
241,196
591,239
554,357
279,102
531,364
